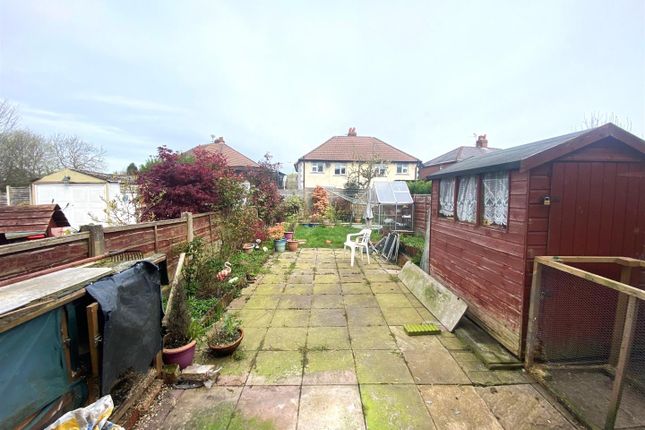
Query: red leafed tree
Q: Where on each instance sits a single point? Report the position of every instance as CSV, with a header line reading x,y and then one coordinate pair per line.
x,y
264,194
176,184
320,201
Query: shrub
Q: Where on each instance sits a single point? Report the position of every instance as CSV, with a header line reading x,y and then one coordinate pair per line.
x,y
276,232
320,203
264,192
240,226
293,205
226,331
343,209
420,187
178,320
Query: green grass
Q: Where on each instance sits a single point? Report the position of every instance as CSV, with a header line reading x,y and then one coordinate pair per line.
x,y
316,236
415,241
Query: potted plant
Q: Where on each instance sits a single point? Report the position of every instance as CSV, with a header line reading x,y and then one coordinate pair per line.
x,y
180,340
226,335
277,234
248,247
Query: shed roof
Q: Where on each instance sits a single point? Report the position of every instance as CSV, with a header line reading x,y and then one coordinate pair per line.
x,y
31,219
459,154
390,193
530,155
349,148
233,157
78,176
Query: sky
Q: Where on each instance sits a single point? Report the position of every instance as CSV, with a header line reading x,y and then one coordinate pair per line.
x,y
284,76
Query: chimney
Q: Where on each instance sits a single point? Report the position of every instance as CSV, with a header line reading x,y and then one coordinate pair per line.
x,y
482,142
352,131
219,140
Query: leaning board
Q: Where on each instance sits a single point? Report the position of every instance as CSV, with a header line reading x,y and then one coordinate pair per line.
x,y
440,301
47,287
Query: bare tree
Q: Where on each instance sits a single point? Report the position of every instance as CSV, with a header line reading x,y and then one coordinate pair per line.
x,y
24,156
125,208
73,153
9,117
596,119
363,171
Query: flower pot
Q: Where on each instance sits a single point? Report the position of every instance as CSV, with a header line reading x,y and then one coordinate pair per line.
x,y
183,356
228,348
288,235
280,245
248,248
292,245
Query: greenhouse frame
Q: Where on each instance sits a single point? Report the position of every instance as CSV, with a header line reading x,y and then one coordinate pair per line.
x,y
391,205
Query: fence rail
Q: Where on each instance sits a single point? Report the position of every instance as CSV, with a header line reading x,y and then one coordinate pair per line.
x,y
18,259
586,336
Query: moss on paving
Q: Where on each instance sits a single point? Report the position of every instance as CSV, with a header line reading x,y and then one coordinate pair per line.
x,y
394,407
275,366
329,361
223,416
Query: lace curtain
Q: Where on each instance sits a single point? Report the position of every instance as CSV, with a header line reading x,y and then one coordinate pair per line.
x,y
467,199
447,197
495,192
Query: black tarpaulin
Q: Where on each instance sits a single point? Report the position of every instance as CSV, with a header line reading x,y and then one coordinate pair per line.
x,y
130,303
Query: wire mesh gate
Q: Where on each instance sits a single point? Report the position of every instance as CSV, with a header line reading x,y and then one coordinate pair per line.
x,y
586,337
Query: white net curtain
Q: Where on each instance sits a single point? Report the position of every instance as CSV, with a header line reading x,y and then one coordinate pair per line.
x,y
392,205
495,193
467,199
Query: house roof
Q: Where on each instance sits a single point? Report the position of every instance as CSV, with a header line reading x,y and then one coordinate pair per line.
x,y
233,157
348,148
458,154
31,219
77,176
531,155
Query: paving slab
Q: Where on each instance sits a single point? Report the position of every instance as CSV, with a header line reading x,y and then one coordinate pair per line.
x,y
203,407
355,288
328,318
381,367
326,278
386,287
329,367
364,316
300,289
401,316
293,301
253,337
420,344
360,300
522,407
328,338
458,407
492,354
451,343
300,279
264,408
394,407
273,279
327,289
269,289
235,367
238,303
373,337
277,368
262,302
255,317
330,408
290,318
435,367
285,339
327,301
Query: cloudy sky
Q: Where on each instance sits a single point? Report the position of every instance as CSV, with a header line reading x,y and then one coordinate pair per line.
x,y
285,76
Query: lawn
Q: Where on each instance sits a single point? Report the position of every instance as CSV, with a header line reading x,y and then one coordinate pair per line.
x,y
316,237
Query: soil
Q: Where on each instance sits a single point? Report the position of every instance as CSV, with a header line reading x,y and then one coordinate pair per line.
x,y
121,389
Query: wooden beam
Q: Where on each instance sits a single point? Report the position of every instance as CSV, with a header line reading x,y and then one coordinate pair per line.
x,y
190,232
623,361
173,284
534,312
47,242
619,320
605,282
94,337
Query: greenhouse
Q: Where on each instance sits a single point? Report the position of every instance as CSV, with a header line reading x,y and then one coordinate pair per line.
x,y
390,205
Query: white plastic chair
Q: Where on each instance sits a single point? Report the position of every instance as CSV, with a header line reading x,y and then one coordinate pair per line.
x,y
362,242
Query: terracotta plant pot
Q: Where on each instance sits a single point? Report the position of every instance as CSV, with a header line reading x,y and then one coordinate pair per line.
x,y
292,245
183,356
248,248
227,348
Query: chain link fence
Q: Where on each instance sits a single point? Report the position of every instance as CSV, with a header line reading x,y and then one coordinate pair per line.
x,y
586,337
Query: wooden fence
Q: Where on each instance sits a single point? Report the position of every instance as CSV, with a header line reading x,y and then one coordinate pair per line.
x,y
422,203
149,237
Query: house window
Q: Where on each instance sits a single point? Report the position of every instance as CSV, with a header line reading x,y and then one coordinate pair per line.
x,y
317,167
340,169
447,198
495,199
401,169
380,170
467,199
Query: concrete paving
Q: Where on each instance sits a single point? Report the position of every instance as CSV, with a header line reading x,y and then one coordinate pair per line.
x,y
324,348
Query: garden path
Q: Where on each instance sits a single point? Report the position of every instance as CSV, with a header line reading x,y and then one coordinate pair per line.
x,y
324,348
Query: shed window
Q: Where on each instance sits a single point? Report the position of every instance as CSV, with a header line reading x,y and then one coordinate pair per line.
x,y
495,199
317,167
467,199
447,198
340,169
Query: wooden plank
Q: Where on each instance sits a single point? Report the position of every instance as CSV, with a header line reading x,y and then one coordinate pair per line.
x,y
623,361
42,243
605,282
93,335
52,285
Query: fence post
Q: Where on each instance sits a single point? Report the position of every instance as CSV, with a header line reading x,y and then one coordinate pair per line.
x,y
97,239
621,308
190,235
534,311
8,195
623,360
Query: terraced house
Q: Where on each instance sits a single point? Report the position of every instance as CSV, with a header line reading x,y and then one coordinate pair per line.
x,y
331,163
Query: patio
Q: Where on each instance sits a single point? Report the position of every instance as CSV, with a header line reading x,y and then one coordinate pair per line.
x,y
324,348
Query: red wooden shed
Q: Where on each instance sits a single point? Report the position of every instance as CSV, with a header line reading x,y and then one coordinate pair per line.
x,y
26,221
578,194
